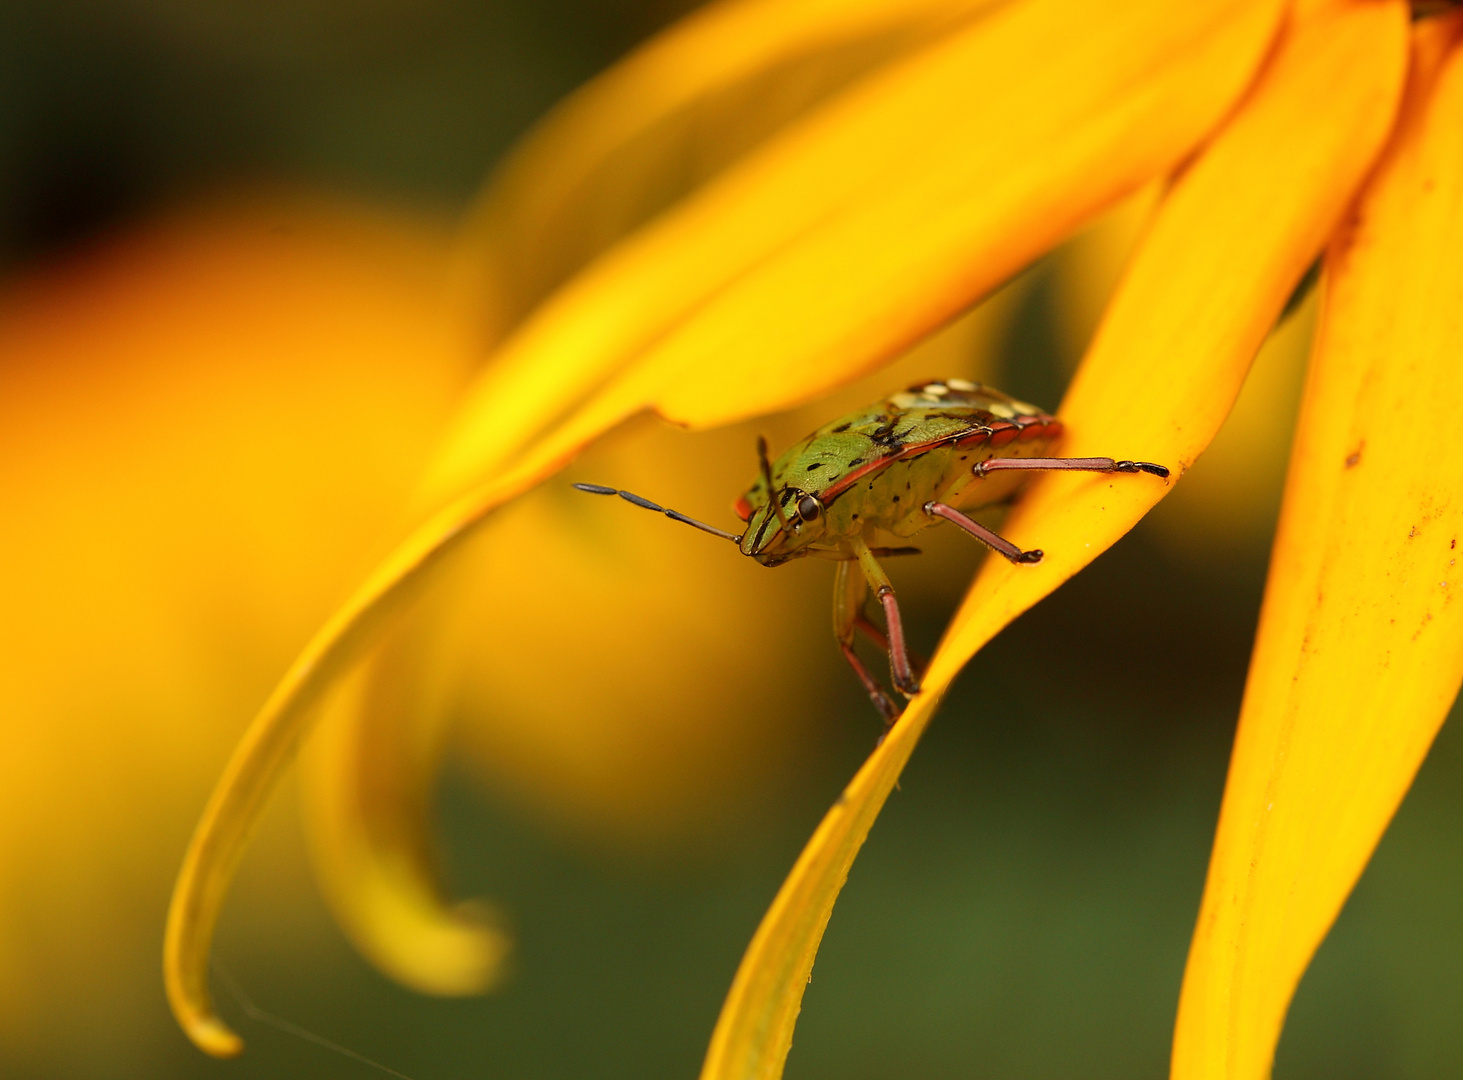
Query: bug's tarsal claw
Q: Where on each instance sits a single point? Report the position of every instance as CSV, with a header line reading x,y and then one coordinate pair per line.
x,y
888,709
909,687
1029,558
1140,466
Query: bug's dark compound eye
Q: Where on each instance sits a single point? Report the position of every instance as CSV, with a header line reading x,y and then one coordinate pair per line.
x,y
809,508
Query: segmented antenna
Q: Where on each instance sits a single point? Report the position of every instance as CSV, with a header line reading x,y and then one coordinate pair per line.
x,y
767,479
674,515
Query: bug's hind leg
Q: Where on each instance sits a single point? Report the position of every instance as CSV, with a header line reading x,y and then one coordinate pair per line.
x,y
849,591
990,465
1067,464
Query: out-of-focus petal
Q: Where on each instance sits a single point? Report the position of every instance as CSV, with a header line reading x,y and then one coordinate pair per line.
x,y
1360,648
1226,247
834,245
673,114
369,784
208,423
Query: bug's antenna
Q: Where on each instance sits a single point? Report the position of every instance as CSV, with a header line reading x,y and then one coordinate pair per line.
x,y
767,479
674,515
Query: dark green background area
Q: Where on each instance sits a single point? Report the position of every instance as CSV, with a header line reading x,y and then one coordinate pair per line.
x,y
1023,907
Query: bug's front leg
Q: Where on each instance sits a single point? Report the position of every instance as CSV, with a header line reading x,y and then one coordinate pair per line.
x,y
849,591
899,665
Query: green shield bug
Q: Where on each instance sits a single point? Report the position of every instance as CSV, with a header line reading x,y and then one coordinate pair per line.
x,y
860,487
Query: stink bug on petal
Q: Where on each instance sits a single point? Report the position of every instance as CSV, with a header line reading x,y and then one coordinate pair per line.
x,y
860,487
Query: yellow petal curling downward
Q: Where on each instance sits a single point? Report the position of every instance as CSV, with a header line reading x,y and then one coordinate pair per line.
x,y
623,149
868,223
671,116
1360,647
842,240
1229,242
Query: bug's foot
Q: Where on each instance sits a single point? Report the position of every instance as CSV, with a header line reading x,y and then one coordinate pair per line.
x,y
887,708
909,687
1029,558
1140,466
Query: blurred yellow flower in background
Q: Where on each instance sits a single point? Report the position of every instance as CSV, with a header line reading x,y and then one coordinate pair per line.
x,y
765,202
207,425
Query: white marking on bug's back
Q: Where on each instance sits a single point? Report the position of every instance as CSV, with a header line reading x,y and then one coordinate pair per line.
x,y
965,386
911,399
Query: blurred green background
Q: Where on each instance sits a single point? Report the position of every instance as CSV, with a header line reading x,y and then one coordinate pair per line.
x,y
1023,906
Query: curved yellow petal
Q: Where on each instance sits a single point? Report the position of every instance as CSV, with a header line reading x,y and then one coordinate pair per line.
x,y
623,773
657,125
956,168
629,144
233,809
883,213
1227,245
871,221
368,785
1360,647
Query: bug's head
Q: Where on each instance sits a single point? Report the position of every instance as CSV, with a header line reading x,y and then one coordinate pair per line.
x,y
783,522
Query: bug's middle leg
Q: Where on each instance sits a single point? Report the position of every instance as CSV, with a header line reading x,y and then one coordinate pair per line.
x,y
990,465
849,592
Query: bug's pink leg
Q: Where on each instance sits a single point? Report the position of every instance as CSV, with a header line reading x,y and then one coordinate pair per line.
x,y
881,641
849,591
984,535
899,665
1073,464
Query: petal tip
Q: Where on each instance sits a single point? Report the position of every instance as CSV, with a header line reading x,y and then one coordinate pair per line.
x,y
213,1036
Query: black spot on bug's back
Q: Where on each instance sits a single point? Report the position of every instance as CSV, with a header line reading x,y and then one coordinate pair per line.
x,y
843,427
855,463
815,465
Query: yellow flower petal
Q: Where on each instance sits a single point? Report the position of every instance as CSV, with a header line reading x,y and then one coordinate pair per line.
x,y
629,144
1227,245
207,422
620,772
883,214
1360,648
869,223
369,784
662,122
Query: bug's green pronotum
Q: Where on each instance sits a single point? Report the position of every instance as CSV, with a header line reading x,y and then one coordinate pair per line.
x,y
861,486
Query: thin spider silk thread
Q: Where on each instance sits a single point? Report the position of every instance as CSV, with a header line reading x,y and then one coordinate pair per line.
x,y
255,1013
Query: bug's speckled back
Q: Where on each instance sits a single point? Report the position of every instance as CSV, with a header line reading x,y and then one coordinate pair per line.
x,y
873,471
